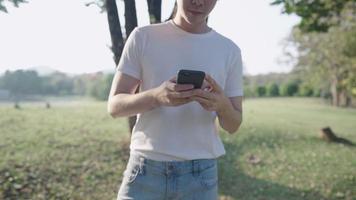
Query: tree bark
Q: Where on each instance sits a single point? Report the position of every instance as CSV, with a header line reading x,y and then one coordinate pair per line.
x,y
130,24
115,29
335,92
130,16
154,10
116,33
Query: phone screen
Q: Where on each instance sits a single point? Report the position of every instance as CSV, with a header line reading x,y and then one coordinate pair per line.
x,y
193,77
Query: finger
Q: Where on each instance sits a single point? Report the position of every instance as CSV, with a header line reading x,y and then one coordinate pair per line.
x,y
203,94
184,94
173,79
182,101
213,83
205,85
201,100
179,87
206,105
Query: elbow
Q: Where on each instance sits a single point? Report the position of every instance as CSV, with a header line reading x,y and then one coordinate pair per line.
x,y
234,129
111,110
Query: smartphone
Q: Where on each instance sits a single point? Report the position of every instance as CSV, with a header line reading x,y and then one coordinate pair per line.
x,y
193,77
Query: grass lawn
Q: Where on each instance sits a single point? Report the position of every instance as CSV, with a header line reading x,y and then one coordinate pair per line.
x,y
77,151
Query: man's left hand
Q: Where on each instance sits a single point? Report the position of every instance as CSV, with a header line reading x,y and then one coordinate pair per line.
x,y
212,99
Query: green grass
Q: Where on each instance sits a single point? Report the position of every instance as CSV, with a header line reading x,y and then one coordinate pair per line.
x,y
77,151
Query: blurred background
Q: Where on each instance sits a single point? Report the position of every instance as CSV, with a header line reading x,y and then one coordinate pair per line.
x,y
58,58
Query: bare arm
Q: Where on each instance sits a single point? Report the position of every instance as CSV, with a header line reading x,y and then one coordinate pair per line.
x,y
123,101
230,118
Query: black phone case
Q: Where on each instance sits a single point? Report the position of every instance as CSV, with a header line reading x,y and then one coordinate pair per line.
x,y
191,77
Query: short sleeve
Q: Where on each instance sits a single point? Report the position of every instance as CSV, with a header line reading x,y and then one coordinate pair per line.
x,y
130,61
234,80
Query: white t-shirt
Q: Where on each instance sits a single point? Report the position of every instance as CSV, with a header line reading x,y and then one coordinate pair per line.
x,y
154,54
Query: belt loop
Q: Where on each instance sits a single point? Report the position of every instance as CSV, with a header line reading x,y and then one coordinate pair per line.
x,y
195,166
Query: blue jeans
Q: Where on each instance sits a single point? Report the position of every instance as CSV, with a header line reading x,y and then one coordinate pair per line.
x,y
146,179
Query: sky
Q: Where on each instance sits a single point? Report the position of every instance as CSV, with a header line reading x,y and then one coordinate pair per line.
x,y
70,37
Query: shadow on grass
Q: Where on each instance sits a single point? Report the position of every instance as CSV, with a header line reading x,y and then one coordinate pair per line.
x,y
236,185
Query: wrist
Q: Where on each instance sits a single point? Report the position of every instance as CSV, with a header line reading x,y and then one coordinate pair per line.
x,y
225,107
154,98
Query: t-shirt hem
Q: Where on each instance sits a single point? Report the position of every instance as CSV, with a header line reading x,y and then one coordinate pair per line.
x,y
234,93
129,72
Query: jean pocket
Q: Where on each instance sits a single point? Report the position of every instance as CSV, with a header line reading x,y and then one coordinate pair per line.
x,y
131,172
208,177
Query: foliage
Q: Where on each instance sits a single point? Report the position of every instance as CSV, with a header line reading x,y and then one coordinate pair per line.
x,y
24,82
14,2
21,82
272,90
261,91
306,90
101,87
289,89
316,15
327,60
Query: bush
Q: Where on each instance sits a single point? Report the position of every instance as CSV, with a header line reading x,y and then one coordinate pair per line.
x,y
273,90
289,89
306,90
261,91
248,91
100,88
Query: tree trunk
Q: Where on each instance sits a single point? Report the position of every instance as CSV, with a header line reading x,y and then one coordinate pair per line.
x,y
335,92
154,10
115,29
130,16
130,24
116,33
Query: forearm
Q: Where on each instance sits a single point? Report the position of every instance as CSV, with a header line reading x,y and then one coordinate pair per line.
x,y
124,105
230,119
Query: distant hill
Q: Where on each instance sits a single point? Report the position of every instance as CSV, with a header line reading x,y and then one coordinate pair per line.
x,y
43,70
108,71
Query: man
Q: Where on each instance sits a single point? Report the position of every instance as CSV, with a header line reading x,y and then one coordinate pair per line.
x,y
175,142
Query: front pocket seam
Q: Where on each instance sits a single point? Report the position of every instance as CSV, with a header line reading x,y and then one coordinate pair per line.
x,y
133,174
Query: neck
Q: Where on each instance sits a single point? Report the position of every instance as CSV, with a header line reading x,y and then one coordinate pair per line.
x,y
192,28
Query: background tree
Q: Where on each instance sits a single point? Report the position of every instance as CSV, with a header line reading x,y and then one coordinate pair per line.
x,y
272,90
154,10
330,56
316,15
326,40
261,91
117,39
21,83
14,2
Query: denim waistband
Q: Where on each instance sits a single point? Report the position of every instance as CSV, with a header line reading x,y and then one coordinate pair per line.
x,y
178,166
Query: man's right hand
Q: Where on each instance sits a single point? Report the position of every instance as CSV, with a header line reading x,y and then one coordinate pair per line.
x,y
169,93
